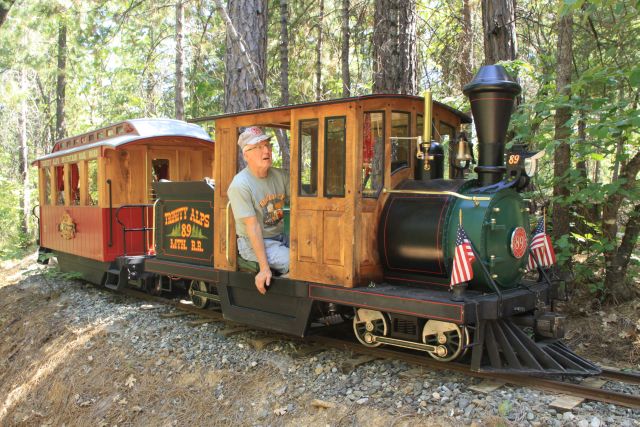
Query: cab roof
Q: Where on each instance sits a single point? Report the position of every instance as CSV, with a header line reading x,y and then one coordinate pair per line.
x,y
464,118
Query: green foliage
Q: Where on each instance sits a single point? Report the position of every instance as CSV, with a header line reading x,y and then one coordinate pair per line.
x,y
54,273
505,408
604,105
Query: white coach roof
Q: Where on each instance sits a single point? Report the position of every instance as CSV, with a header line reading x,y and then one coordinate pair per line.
x,y
122,133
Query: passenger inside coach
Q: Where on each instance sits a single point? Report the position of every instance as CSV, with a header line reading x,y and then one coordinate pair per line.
x,y
258,195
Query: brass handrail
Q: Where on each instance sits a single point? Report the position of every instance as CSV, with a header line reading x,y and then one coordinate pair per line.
x,y
475,199
153,221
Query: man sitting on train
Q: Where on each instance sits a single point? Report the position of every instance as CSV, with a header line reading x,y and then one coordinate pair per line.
x,y
258,194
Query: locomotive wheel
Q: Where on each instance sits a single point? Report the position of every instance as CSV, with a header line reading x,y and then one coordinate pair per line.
x,y
450,339
367,323
198,301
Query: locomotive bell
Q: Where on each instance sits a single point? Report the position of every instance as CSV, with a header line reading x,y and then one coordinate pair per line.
x,y
463,153
492,93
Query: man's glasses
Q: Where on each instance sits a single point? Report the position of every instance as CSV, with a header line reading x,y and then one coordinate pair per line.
x,y
267,145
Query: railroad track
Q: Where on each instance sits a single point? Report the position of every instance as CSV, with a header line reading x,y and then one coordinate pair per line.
x,y
546,384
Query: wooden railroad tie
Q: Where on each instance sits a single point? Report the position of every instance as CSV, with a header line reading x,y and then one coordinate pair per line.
x,y
260,343
199,322
351,364
486,386
233,330
174,314
566,403
308,350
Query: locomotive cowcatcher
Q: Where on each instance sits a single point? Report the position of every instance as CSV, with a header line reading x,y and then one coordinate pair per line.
x,y
372,224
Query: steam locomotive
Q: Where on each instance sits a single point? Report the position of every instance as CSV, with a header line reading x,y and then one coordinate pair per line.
x,y
372,222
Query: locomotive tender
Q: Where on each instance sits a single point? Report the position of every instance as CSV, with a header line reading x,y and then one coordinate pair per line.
x,y
372,225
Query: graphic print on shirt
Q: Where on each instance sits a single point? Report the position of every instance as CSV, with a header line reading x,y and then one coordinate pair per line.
x,y
272,209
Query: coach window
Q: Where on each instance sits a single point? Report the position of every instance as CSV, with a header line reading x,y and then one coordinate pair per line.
x,y
372,153
59,190
160,169
334,156
308,161
46,181
92,182
74,184
400,148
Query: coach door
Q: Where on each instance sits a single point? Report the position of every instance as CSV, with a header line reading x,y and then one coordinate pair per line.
x,y
322,200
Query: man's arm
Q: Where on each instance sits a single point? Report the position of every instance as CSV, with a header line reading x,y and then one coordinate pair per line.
x,y
254,232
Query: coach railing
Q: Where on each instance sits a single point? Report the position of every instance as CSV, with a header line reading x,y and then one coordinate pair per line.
x,y
144,229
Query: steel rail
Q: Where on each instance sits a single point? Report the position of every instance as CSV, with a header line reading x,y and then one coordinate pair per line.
x,y
627,377
555,386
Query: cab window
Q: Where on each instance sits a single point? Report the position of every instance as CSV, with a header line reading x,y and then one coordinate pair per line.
x,y
400,148
447,129
308,143
372,153
335,156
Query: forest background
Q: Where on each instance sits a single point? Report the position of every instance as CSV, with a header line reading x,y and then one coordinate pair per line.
x,y
68,66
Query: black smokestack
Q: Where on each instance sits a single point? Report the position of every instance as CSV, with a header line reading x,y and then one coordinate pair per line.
x,y
492,93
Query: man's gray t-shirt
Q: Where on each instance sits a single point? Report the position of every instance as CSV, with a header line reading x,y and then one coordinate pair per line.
x,y
263,198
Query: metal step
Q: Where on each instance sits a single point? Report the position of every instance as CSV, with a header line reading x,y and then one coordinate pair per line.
x,y
116,279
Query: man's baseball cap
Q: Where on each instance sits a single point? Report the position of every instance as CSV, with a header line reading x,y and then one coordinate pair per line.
x,y
251,136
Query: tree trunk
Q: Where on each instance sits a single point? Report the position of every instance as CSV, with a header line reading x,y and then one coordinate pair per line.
x,y
61,82
394,47
179,101
245,58
23,158
562,154
499,26
284,53
617,258
408,59
346,74
466,55
5,5
281,136
319,91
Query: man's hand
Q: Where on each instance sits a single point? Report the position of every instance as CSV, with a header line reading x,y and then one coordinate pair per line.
x,y
263,280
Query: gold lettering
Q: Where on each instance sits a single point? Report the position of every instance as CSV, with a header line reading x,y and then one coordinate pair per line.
x,y
178,244
196,246
175,215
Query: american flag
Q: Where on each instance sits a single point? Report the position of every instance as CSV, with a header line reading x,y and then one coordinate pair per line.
x,y
541,248
463,258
